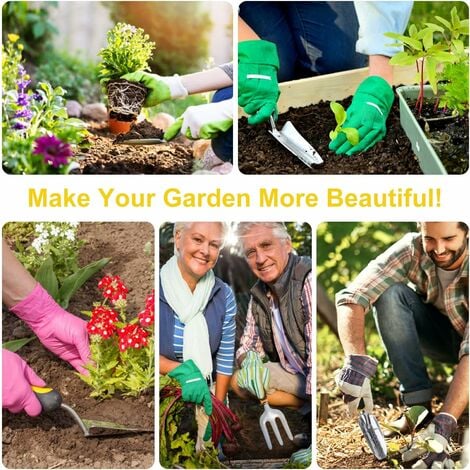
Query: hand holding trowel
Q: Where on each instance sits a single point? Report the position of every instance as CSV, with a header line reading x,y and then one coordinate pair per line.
x,y
354,381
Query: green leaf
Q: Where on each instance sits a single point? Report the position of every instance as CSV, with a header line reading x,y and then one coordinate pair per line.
x,y
46,277
403,59
339,112
435,27
16,344
72,283
352,135
39,29
415,415
333,135
444,22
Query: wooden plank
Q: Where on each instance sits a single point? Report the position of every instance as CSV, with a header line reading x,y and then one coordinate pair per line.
x,y
333,86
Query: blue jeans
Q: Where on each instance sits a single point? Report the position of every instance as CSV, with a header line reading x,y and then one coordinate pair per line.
x,y
311,37
222,145
410,329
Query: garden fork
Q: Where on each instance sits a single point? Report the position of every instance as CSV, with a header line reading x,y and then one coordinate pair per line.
x,y
269,416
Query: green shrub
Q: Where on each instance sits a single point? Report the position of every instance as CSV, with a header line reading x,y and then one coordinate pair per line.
x,y
75,75
31,23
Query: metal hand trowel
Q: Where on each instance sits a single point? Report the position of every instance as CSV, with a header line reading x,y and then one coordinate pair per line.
x,y
149,141
373,434
51,399
290,137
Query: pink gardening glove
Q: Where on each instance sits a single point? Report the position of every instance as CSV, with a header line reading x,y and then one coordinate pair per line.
x,y
58,330
17,378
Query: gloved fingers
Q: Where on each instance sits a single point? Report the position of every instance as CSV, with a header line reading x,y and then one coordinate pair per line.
x,y
368,403
412,454
78,364
263,113
367,142
207,402
353,407
335,144
32,406
173,130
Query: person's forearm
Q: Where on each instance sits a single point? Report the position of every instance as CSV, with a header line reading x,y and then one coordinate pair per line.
x,y
245,33
17,283
222,383
351,328
380,65
457,397
167,365
207,80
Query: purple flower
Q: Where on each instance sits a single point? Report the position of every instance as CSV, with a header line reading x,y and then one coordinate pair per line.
x,y
22,85
23,99
54,151
24,113
20,126
37,97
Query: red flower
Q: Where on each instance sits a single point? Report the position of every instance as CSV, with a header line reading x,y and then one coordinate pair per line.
x,y
113,288
102,322
147,316
132,336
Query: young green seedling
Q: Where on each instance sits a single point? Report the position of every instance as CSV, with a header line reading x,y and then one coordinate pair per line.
x,y
351,133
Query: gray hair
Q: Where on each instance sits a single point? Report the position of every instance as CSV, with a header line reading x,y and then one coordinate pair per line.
x,y
279,230
182,226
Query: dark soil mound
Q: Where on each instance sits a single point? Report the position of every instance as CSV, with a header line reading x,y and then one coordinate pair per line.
x,y
141,130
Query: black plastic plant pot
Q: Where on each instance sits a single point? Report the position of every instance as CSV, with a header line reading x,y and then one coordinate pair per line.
x,y
428,159
125,98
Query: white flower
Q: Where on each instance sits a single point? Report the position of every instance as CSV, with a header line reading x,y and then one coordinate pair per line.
x,y
39,228
55,231
70,235
37,244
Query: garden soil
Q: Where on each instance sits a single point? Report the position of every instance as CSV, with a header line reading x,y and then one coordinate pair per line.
x,y
260,153
54,440
104,156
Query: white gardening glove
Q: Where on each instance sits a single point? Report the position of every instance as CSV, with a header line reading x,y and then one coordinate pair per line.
x,y
353,381
205,121
436,436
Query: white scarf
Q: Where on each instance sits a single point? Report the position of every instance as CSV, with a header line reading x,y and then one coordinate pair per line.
x,y
189,307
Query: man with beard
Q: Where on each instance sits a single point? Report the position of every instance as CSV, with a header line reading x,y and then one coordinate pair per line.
x,y
418,290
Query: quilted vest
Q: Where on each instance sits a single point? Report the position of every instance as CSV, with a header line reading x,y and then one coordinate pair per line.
x,y
288,290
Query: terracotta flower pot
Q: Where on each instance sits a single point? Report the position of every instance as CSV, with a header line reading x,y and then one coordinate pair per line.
x,y
117,126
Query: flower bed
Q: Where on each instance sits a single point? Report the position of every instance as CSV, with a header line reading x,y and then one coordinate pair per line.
x,y
54,440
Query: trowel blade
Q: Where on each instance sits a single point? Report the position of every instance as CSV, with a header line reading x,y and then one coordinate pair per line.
x,y
373,434
106,428
293,141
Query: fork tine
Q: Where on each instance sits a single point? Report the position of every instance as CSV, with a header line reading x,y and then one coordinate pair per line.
x,y
285,424
276,431
264,430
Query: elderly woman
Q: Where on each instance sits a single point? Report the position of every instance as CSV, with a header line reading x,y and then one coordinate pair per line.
x,y
197,314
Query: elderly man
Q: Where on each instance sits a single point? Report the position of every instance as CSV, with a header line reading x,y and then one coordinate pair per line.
x,y
275,353
419,290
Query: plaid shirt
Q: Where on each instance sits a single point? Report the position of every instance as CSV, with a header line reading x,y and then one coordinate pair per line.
x,y
251,341
407,262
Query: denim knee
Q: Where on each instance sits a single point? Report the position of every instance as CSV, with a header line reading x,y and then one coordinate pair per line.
x,y
222,145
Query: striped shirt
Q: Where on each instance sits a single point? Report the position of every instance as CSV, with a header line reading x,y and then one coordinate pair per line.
x,y
225,353
407,262
251,341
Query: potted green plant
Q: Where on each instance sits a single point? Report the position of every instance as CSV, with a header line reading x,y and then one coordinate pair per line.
x,y
128,50
438,50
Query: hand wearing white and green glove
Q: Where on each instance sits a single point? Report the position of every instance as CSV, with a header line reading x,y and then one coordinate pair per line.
x,y
160,88
368,114
302,457
253,376
258,89
205,121
436,436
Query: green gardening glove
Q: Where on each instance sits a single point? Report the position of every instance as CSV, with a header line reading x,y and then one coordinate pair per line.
x,y
258,90
160,88
302,456
253,376
368,114
204,121
193,384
